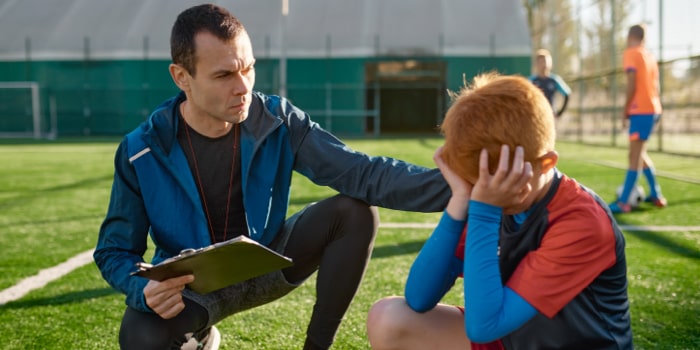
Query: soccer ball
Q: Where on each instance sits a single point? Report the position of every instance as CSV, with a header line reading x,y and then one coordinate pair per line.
x,y
636,197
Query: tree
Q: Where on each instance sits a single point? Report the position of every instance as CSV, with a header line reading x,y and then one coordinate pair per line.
x,y
552,27
607,33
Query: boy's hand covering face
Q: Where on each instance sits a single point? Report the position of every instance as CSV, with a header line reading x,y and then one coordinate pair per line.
x,y
509,186
460,188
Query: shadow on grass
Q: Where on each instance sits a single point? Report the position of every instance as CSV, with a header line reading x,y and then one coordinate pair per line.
x,y
53,221
689,202
662,240
685,202
33,194
387,251
62,299
80,183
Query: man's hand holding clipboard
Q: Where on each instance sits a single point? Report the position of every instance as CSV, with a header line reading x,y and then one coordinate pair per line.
x,y
218,265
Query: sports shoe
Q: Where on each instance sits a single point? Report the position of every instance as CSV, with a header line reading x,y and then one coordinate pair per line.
x,y
619,207
657,201
210,341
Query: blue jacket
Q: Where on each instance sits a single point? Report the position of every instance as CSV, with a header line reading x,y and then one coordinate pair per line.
x,y
154,192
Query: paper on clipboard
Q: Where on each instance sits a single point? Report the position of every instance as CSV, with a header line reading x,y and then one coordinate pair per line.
x,y
218,265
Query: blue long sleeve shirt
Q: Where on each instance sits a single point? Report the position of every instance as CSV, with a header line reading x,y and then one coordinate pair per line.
x,y
491,309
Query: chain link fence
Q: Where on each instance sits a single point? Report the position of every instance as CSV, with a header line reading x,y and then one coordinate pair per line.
x,y
596,109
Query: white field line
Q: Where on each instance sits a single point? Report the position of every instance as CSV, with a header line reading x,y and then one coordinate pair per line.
x,y
53,273
44,276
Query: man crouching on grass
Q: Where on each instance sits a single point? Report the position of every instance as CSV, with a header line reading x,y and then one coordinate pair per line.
x,y
215,162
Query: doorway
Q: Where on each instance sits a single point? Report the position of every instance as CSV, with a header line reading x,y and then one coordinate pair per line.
x,y
409,95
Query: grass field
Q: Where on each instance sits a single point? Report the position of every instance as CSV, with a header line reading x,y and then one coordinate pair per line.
x,y
53,197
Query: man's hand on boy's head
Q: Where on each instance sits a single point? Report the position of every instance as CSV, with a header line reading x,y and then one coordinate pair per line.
x,y
509,186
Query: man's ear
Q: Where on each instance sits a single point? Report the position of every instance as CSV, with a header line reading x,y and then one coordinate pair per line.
x,y
180,76
549,161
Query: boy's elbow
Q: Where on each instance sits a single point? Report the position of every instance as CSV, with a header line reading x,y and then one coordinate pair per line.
x,y
477,333
418,304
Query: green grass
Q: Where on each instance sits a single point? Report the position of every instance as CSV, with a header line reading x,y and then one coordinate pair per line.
x,y
53,196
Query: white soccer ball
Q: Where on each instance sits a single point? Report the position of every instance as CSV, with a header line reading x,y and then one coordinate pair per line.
x,y
636,197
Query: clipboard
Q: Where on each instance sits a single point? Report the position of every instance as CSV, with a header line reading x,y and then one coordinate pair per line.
x,y
218,265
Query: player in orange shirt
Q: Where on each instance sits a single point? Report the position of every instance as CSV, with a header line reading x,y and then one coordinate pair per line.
x,y
643,111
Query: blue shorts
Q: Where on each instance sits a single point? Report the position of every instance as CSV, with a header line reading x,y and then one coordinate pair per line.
x,y
641,126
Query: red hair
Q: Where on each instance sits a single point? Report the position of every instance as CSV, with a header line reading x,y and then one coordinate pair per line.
x,y
496,110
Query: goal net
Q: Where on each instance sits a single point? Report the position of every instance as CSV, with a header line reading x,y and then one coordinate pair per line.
x,y
20,109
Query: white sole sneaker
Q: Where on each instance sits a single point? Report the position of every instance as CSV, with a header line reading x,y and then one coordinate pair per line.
x,y
213,340
210,342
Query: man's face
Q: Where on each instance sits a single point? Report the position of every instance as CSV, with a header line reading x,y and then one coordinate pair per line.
x,y
222,85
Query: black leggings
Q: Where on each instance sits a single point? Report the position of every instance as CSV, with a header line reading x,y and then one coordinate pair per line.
x,y
334,236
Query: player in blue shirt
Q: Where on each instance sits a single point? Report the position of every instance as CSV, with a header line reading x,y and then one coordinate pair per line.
x,y
549,82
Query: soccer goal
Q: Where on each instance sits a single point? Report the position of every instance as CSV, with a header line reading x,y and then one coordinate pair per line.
x,y
20,110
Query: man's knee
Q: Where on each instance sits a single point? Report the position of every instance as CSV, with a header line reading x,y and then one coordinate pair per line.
x,y
355,208
359,219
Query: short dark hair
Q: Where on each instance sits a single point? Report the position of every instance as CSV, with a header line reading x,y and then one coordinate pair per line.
x,y
637,31
201,18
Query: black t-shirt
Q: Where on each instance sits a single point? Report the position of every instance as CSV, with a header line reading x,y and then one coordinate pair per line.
x,y
212,175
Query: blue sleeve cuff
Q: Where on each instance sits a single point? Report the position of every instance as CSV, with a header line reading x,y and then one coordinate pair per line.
x,y
484,211
448,224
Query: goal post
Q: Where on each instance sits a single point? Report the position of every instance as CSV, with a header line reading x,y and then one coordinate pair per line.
x,y
20,109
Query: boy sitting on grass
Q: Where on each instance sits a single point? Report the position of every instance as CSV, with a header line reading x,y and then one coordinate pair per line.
x,y
542,258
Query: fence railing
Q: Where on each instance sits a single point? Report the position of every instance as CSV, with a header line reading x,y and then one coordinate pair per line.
x,y
594,114
596,109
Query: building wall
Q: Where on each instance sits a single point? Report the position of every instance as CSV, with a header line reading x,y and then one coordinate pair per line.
x,y
111,97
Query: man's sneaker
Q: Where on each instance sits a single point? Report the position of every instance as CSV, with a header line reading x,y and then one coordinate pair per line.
x,y
657,201
619,207
209,341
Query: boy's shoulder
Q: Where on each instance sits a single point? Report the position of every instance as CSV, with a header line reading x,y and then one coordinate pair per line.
x,y
575,199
